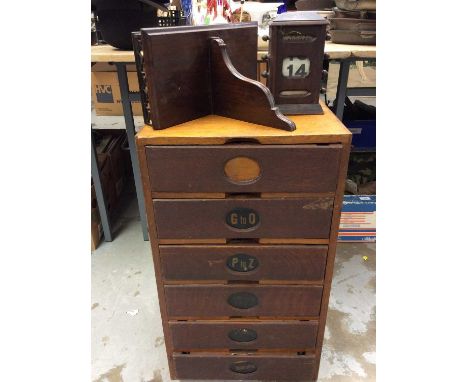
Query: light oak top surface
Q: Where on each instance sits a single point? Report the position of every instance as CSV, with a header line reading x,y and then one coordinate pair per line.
x,y
215,130
106,53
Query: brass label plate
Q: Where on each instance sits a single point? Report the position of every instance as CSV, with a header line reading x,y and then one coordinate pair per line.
x,y
243,335
243,367
242,263
242,218
243,300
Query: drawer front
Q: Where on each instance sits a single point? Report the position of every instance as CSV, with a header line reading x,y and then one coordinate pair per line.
x,y
213,301
294,335
244,168
243,262
243,218
244,367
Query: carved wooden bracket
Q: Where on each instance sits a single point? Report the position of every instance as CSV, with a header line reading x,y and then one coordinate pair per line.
x,y
236,96
188,72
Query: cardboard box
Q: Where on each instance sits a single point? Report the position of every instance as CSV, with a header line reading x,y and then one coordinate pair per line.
x,y
358,219
109,195
96,226
105,89
108,182
119,161
115,167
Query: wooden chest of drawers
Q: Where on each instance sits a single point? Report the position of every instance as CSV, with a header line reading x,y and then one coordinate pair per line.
x,y
243,222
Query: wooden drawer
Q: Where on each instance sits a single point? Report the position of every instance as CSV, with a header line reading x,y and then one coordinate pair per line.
x,y
244,168
225,335
244,367
221,301
243,218
243,262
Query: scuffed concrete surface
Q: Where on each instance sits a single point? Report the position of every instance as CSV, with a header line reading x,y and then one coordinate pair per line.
x,y
348,352
127,339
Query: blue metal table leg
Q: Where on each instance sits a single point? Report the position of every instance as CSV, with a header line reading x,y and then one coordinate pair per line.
x,y
342,87
130,128
102,206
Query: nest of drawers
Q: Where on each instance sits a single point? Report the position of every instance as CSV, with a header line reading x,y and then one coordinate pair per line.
x,y
241,241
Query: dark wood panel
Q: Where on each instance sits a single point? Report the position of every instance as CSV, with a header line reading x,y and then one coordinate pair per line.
x,y
332,250
232,94
276,218
268,367
243,262
297,335
179,80
155,252
312,48
205,301
283,168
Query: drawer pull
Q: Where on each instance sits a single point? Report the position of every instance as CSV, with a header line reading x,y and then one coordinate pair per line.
x,y
243,335
243,300
242,263
243,367
242,170
242,218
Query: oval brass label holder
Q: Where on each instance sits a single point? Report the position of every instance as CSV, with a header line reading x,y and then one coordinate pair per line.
x,y
242,170
243,367
242,218
242,263
243,335
243,300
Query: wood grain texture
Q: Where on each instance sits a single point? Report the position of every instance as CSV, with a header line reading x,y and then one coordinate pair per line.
x,y
311,47
315,129
281,168
332,250
155,252
341,51
211,301
232,93
188,195
241,169
268,367
276,262
217,130
179,80
206,218
293,241
191,241
200,335
107,53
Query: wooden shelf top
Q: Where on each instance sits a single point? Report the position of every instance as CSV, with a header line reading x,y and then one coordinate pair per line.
x,y
107,53
215,130
339,51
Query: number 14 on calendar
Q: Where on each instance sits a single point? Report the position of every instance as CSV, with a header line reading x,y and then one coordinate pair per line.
x,y
296,67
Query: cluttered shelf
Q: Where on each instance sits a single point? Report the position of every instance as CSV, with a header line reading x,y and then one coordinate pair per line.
x,y
119,93
107,53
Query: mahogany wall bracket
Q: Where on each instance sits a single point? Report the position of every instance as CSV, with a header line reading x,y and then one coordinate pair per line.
x,y
186,73
236,96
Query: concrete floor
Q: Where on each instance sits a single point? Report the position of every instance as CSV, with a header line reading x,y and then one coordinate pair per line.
x,y
127,338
